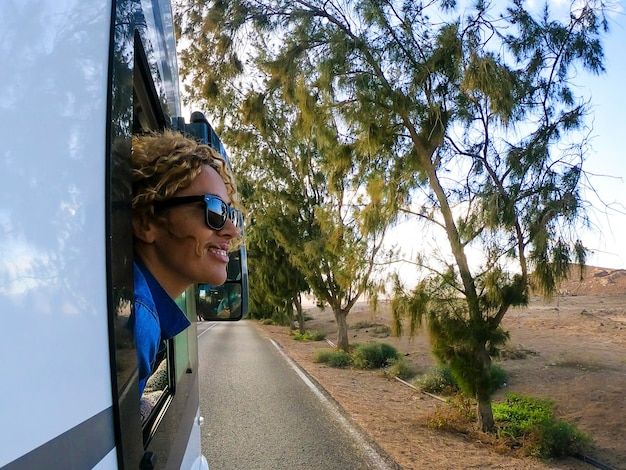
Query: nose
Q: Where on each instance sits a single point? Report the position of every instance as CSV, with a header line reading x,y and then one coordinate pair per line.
x,y
229,230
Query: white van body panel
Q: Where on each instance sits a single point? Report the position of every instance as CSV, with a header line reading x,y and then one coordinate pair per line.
x,y
53,82
61,85
193,459
109,462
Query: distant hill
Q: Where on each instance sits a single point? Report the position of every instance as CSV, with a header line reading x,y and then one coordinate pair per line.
x,y
595,281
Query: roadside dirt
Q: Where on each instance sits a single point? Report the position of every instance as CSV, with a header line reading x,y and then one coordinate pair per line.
x,y
571,349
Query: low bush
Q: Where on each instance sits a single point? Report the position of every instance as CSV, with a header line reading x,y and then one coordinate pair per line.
x,y
456,415
332,357
400,368
437,380
309,336
499,378
373,355
382,331
530,422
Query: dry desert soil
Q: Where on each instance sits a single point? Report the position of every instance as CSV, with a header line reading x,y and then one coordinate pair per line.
x,y
571,349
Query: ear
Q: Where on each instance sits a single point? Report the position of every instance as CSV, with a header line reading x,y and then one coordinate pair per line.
x,y
144,229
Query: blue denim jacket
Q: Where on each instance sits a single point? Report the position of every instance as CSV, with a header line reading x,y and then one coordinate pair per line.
x,y
156,318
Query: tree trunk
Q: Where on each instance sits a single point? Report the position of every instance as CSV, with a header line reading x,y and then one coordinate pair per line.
x,y
484,412
342,329
292,323
300,313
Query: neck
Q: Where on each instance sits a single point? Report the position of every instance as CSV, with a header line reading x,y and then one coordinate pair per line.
x,y
173,286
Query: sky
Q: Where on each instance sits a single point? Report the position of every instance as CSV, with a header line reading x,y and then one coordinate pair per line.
x,y
605,163
608,159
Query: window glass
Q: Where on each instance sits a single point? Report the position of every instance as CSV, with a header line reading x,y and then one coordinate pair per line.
x,y
157,386
219,302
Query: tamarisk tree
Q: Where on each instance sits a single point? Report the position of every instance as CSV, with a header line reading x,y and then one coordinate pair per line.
x,y
474,112
315,194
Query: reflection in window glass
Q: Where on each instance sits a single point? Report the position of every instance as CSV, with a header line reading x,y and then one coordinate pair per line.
x,y
219,302
233,270
156,387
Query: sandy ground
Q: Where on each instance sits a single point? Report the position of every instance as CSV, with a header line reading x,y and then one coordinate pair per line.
x,y
571,349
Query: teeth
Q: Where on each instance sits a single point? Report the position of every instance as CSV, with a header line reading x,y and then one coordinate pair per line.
x,y
218,251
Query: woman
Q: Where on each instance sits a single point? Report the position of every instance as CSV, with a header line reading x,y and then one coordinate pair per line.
x,y
183,228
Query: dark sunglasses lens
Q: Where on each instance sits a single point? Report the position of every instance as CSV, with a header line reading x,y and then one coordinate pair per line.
x,y
233,215
216,213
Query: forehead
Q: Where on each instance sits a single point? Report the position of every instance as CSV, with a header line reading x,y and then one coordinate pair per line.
x,y
209,181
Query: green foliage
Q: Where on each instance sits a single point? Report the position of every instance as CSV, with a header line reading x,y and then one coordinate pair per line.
x,y
437,380
342,115
373,355
440,380
519,414
557,438
275,284
465,345
332,357
400,368
531,422
309,336
499,377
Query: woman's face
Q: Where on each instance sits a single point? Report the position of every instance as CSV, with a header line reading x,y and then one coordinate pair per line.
x,y
184,250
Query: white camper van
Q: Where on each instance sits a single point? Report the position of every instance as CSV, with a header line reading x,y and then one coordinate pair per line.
x,y
77,79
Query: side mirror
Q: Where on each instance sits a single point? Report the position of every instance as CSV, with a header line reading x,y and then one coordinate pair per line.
x,y
228,302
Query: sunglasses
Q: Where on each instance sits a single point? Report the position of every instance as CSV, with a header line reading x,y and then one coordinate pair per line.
x,y
217,211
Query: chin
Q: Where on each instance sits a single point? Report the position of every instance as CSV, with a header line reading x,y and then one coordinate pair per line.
x,y
215,279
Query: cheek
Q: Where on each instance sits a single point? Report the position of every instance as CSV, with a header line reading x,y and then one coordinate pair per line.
x,y
189,223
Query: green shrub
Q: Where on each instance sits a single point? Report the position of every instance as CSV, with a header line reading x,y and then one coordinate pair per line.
x,y
499,377
557,438
519,414
400,368
437,380
332,357
530,421
309,336
373,355
440,380
268,321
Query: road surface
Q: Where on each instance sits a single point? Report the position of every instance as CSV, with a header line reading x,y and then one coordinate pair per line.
x,y
261,412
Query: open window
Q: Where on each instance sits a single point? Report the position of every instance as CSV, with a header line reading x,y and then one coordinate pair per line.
x,y
228,302
148,116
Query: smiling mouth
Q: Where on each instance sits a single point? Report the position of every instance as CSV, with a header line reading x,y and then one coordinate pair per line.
x,y
218,251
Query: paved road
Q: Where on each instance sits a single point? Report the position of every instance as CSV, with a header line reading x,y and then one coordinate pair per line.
x,y
262,413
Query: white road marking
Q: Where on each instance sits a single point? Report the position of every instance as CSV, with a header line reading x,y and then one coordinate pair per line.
x,y
212,325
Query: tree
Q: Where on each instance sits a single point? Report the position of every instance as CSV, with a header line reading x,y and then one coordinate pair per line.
x,y
276,285
475,113
314,204
318,198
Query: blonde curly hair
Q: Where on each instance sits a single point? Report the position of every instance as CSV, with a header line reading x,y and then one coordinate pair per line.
x,y
164,163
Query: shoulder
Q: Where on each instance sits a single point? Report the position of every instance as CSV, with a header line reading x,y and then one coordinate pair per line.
x,y
144,300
